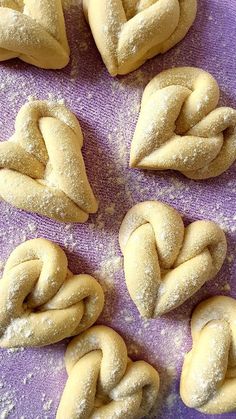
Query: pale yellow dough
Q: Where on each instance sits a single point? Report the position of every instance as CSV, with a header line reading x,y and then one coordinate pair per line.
x,y
165,263
103,382
181,128
41,166
34,31
129,32
208,381
41,301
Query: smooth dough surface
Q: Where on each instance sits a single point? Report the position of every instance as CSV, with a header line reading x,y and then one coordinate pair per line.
x,y
164,262
181,128
42,302
103,382
34,31
41,167
129,32
208,380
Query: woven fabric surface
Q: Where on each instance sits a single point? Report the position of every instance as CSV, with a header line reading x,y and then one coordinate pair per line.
x,y
31,381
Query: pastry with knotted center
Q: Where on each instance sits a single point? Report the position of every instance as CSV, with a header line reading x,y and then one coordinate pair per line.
x,y
181,128
164,262
34,31
103,382
41,167
42,302
129,32
208,380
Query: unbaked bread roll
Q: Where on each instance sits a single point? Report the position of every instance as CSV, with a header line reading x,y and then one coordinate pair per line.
x,y
181,128
41,166
165,263
34,31
129,32
103,382
41,301
208,381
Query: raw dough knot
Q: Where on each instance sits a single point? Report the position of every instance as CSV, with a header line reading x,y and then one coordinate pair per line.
x,y
103,382
42,168
34,31
164,262
208,381
41,301
180,128
129,32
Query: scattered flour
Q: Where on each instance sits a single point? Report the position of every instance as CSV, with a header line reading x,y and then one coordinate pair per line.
x,y
107,271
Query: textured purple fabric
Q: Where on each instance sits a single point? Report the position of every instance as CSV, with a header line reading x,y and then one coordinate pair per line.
x,y
31,381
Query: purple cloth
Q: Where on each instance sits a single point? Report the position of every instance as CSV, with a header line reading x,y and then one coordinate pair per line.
x,y
32,380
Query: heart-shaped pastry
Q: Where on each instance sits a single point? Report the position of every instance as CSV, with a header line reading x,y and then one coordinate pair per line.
x,y
165,263
34,31
103,382
42,302
41,166
129,32
208,380
180,128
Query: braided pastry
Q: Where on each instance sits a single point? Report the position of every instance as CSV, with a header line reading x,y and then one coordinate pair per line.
x,y
180,128
103,382
41,301
208,381
129,32
165,263
42,168
34,31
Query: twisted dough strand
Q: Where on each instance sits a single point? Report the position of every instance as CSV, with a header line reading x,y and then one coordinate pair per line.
x,y
164,262
180,129
42,168
103,382
129,32
34,31
208,380
42,302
